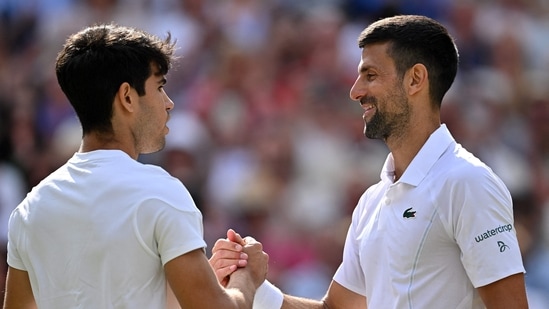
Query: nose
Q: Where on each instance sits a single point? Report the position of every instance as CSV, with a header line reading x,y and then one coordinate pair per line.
x,y
168,102
356,92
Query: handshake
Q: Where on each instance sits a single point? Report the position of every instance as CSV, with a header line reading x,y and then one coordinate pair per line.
x,y
236,258
234,252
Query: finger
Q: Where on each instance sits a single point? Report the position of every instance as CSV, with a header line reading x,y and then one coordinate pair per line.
x,y
223,273
248,240
253,248
235,237
223,259
226,245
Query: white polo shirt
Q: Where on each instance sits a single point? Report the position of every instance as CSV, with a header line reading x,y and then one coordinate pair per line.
x,y
97,232
429,239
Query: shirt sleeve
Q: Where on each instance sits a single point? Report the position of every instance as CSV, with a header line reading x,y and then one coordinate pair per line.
x,y
350,273
14,234
169,230
483,227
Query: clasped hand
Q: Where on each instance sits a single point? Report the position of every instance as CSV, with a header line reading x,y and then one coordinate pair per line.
x,y
235,253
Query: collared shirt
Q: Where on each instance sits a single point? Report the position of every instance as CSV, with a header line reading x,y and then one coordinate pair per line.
x,y
431,238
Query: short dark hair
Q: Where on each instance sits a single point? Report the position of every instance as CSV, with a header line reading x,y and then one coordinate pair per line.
x,y
417,39
97,60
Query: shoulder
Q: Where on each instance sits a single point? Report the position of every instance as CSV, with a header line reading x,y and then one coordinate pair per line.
x,y
465,179
148,175
161,185
460,166
147,182
156,178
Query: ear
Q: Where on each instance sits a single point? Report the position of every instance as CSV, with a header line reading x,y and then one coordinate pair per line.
x,y
417,79
126,97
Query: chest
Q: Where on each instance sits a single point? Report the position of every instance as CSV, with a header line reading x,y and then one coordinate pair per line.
x,y
404,229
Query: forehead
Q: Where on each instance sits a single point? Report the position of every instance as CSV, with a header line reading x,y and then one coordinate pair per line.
x,y
376,56
155,79
156,74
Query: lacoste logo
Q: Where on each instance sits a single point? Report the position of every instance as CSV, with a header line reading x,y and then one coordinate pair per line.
x,y
502,246
409,213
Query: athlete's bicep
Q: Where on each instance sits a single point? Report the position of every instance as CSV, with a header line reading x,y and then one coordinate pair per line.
x,y
509,292
18,290
194,283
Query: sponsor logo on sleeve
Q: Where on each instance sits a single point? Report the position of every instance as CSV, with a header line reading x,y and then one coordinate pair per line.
x,y
496,231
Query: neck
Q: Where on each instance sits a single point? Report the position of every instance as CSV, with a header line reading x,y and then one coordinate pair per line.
x,y
96,141
405,147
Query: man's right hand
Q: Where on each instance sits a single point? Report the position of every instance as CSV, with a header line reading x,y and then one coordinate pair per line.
x,y
228,255
195,285
257,264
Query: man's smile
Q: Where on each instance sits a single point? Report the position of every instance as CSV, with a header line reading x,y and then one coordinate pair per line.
x,y
369,109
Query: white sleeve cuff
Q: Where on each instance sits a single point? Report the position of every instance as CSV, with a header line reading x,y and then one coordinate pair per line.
x,y
268,296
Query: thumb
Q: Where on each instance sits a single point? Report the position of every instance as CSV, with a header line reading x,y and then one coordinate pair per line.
x,y
235,237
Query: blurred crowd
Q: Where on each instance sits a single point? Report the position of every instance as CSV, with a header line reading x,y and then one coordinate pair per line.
x,y
264,134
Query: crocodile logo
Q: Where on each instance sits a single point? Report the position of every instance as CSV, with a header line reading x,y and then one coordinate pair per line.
x,y
409,213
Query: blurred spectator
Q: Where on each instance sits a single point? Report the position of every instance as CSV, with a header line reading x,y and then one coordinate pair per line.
x,y
12,186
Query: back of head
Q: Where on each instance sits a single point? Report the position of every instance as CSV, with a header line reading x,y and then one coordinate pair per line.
x,y
97,60
417,39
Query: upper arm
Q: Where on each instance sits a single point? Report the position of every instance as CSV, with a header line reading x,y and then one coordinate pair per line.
x,y
18,290
194,283
339,297
509,292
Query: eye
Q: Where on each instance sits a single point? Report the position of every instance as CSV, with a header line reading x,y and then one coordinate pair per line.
x,y
370,76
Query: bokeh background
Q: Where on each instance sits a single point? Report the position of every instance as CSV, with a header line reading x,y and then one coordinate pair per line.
x,y
264,134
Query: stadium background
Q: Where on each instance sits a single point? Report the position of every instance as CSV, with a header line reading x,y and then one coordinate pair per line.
x,y
264,134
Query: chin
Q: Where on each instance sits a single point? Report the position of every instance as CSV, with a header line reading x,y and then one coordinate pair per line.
x,y
372,134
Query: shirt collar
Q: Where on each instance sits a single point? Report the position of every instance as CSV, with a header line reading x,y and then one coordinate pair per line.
x,y
431,151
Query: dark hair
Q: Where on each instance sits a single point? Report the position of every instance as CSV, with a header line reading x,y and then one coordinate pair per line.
x,y
97,60
417,39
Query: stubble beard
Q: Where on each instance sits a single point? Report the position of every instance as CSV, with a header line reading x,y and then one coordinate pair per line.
x,y
383,125
375,128
148,139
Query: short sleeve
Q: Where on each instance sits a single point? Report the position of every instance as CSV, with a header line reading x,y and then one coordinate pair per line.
x,y
170,231
350,274
484,228
14,236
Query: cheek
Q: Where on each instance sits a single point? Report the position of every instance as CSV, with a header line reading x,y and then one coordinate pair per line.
x,y
152,118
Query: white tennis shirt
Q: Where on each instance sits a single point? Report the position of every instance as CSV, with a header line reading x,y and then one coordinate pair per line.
x,y
429,239
97,232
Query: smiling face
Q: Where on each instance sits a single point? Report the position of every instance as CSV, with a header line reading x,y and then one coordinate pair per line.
x,y
154,107
380,92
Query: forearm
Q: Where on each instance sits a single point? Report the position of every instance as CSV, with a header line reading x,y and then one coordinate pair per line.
x,y
293,302
337,297
241,289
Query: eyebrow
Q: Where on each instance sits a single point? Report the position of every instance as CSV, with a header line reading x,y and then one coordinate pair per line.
x,y
364,68
162,81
